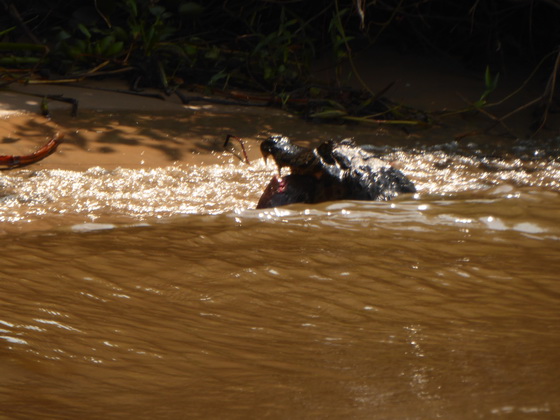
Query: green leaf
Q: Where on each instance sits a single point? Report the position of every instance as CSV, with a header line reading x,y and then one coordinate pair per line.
x,y
213,53
7,31
480,103
329,113
157,11
190,49
14,61
105,43
217,77
336,105
84,30
81,45
494,84
149,38
114,49
173,49
63,35
314,92
120,33
133,8
19,46
190,8
74,52
487,77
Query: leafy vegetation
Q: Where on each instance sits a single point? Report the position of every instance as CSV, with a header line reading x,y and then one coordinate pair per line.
x,y
268,46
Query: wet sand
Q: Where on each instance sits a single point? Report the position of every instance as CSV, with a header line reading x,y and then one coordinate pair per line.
x,y
121,130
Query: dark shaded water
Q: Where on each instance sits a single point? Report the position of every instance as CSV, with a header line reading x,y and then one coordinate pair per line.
x,y
161,294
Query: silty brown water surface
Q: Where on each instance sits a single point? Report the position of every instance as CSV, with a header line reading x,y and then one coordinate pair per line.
x,y
157,291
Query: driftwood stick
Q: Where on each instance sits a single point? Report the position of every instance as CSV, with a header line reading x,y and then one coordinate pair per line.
x,y
12,162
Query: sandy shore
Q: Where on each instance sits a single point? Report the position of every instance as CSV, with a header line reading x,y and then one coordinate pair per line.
x,y
117,129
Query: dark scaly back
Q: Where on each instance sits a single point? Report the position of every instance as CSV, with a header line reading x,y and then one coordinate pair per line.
x,y
358,174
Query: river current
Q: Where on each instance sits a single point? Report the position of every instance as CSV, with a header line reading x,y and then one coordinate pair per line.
x,y
162,293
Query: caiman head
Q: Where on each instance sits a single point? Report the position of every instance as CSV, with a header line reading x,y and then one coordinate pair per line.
x,y
300,185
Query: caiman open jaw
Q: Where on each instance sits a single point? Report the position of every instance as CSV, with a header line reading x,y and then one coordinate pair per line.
x,y
284,152
265,156
267,148
290,189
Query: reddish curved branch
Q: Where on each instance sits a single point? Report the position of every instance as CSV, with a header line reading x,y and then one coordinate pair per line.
x,y
43,152
231,136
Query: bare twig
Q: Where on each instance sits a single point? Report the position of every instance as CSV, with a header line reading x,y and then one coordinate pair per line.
x,y
549,93
496,120
231,136
17,17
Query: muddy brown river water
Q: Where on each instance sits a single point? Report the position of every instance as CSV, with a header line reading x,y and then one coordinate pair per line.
x,y
159,292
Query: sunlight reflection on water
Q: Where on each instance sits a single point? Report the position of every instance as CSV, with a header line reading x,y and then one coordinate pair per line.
x,y
27,195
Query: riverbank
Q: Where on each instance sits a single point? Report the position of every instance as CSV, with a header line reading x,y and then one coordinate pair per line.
x,y
115,129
